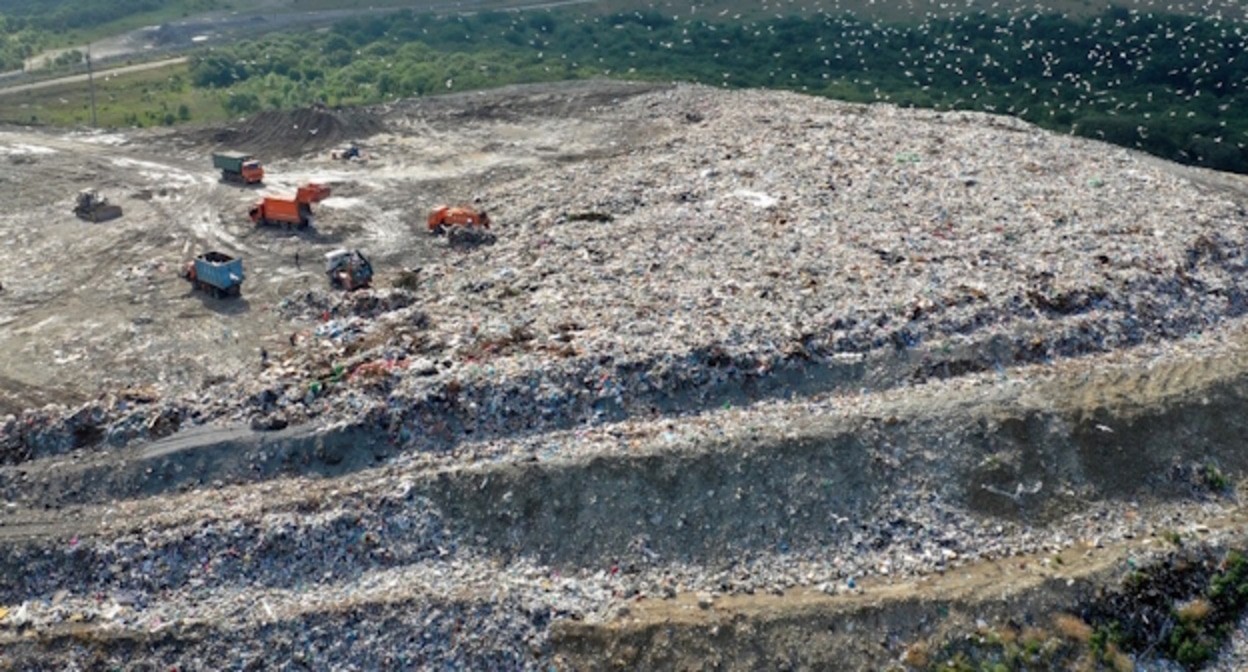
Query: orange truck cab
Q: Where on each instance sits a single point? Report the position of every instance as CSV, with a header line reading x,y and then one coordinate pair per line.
x,y
445,216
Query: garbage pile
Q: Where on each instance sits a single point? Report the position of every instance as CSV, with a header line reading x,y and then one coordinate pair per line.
x,y
113,421
316,303
310,568
780,245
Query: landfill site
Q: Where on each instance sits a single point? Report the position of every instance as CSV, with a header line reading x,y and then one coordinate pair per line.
x,y
732,380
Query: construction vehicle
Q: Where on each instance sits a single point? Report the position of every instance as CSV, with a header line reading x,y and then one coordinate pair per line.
x,y
287,212
463,226
238,167
445,217
95,208
352,152
217,273
348,269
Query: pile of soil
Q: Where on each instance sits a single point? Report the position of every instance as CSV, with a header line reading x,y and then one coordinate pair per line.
x,y
295,132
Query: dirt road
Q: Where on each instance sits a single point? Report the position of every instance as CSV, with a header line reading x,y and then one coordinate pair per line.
x,y
102,74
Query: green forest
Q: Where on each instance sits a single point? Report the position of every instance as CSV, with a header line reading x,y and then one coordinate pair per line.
x,y
1171,85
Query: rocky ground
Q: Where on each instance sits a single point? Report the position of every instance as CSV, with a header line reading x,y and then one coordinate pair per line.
x,y
732,358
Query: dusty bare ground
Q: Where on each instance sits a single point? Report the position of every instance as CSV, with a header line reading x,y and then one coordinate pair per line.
x,y
713,534
91,308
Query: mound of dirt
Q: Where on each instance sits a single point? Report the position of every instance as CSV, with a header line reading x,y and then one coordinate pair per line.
x,y
295,132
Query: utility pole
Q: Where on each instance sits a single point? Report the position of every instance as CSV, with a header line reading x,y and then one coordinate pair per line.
x,y
91,85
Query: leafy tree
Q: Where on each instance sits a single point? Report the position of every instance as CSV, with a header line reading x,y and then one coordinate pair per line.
x,y
242,102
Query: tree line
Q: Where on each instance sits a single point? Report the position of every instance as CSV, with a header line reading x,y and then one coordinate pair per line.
x,y
1171,85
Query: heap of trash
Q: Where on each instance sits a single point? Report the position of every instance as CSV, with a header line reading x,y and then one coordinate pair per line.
x,y
776,244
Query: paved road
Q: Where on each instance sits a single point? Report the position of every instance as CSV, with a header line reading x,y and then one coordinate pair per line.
x,y
77,79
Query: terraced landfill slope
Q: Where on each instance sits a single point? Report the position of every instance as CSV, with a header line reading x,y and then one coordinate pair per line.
x,y
747,380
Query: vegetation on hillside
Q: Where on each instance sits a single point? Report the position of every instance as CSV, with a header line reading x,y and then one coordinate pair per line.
x,y
158,97
1171,85
1183,609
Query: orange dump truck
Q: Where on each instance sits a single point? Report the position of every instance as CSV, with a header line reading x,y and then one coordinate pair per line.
x,y
287,212
445,216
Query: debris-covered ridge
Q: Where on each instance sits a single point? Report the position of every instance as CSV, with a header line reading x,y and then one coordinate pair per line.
x,y
523,538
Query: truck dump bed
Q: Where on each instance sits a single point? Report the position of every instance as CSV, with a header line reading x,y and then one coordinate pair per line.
x,y
231,161
281,211
312,193
219,271
287,212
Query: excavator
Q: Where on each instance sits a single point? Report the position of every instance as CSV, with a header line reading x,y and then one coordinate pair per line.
x,y
463,226
287,212
444,217
95,208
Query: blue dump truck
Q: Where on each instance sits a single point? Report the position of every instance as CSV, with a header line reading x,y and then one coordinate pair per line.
x,y
218,274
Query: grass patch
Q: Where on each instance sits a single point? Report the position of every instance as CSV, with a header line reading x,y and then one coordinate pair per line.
x,y
1215,479
1073,627
158,97
1205,623
1183,609
1007,649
